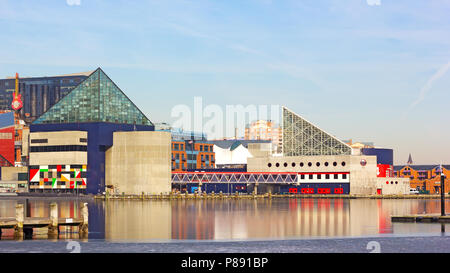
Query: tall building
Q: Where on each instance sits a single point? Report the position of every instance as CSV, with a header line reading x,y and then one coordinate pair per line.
x,y
301,137
95,138
265,130
38,93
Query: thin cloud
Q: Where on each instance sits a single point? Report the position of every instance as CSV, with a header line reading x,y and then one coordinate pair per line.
x,y
426,88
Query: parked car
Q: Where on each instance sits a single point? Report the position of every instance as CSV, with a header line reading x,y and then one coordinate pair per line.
x,y
413,191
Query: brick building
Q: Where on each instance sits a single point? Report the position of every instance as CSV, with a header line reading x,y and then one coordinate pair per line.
x,y
425,177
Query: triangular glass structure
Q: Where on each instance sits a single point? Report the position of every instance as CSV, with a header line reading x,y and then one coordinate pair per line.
x,y
96,99
300,137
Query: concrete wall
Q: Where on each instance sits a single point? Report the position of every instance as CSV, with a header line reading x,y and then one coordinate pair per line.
x,y
393,185
11,173
139,162
260,149
363,177
58,158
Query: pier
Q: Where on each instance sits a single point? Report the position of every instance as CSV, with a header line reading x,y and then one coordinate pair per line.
x,y
421,218
23,226
236,195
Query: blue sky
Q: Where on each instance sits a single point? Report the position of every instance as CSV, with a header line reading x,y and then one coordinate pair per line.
x,y
368,72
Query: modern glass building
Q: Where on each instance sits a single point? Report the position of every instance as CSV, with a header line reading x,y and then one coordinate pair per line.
x,y
301,137
38,93
96,106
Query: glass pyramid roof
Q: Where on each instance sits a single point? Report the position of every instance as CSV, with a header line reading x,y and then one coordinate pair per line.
x,y
96,99
300,137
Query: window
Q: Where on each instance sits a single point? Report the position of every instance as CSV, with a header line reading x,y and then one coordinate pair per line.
x,y
83,139
60,148
293,164
319,176
277,165
343,163
344,176
302,176
310,176
326,164
335,164
327,176
285,164
301,164
335,176
317,164
309,164
269,165
39,141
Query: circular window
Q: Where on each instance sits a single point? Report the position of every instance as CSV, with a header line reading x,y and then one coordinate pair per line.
x,y
317,164
343,163
293,164
326,164
301,164
387,182
396,182
363,162
285,164
278,165
335,164
309,164
269,165
392,182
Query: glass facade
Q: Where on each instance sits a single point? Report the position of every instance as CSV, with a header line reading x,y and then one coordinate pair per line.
x,y
96,99
301,137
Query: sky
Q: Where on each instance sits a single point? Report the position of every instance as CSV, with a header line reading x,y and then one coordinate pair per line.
x,y
368,70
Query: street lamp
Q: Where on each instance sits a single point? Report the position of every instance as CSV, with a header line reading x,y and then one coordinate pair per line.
x,y
442,192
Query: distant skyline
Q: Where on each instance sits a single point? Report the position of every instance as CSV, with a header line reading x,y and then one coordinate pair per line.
x,y
368,70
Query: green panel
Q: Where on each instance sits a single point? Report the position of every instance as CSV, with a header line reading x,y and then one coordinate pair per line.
x,y
96,99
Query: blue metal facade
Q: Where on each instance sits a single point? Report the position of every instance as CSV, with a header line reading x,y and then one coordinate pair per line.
x,y
384,156
100,138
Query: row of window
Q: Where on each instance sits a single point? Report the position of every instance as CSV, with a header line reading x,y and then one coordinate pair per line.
x,y
309,164
45,140
201,147
58,148
319,176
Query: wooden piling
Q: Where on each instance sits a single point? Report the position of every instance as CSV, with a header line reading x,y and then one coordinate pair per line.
x,y
85,216
53,228
18,230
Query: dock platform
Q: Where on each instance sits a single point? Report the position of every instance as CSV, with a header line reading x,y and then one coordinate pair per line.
x,y
23,226
421,218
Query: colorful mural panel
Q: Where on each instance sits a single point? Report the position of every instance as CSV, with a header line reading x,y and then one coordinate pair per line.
x,y
58,177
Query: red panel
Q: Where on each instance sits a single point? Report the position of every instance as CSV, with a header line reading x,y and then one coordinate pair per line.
x,y
58,168
7,145
384,170
33,172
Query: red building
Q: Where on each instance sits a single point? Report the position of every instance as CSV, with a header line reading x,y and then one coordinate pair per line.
x,y
7,137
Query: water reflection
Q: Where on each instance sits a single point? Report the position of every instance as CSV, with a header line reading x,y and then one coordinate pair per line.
x,y
234,219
